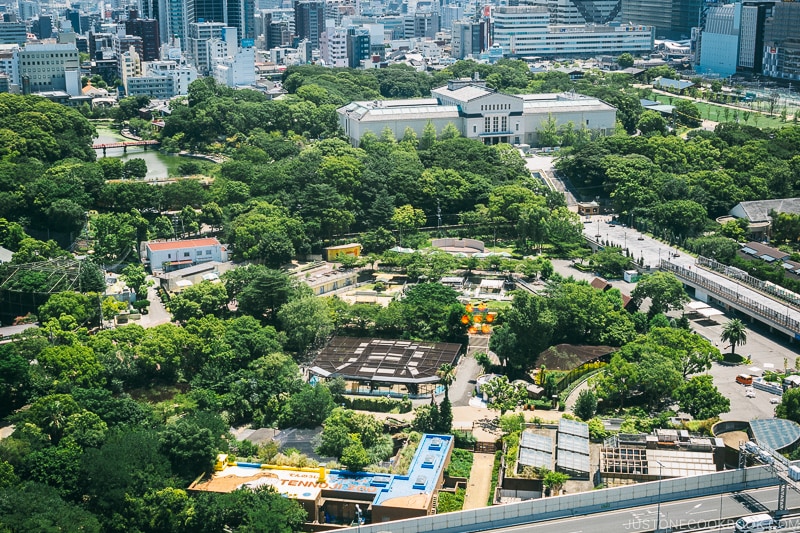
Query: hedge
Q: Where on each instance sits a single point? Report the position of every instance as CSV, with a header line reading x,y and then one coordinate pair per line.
x,y
378,405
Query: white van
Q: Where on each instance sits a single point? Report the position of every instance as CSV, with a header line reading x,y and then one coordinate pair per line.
x,y
756,522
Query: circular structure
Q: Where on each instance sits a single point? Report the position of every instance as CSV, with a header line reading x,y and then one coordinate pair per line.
x,y
459,246
777,433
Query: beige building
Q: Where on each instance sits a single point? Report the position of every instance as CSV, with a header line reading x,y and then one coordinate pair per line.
x,y
478,112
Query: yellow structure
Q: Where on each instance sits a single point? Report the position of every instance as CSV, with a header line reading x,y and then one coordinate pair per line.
x,y
353,249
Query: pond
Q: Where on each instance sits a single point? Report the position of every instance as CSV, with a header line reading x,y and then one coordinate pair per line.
x,y
158,165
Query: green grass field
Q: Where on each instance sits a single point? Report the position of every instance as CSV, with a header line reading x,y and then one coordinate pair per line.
x,y
717,113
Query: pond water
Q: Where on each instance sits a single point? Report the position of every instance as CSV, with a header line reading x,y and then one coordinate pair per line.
x,y
158,164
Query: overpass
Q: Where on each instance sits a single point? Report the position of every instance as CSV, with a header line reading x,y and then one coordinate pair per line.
x,y
778,315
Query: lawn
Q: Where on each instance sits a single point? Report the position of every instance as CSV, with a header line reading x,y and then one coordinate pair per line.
x,y
716,113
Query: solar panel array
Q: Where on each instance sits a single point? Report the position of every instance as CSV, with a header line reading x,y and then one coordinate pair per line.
x,y
535,450
572,454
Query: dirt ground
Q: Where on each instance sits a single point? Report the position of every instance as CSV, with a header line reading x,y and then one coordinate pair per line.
x,y
479,482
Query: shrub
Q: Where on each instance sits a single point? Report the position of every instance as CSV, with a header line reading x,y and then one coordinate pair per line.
x,y
460,463
498,459
379,405
450,501
464,439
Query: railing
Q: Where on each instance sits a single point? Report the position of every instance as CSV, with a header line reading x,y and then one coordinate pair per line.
x,y
732,295
740,275
124,144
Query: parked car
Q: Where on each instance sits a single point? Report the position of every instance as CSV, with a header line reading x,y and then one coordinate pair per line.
x,y
774,400
750,393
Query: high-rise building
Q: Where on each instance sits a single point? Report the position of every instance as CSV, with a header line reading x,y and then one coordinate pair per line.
x,y
9,62
121,43
333,47
579,11
28,9
421,25
209,10
13,33
782,41
719,40
358,46
240,14
309,20
673,19
148,30
202,39
525,30
43,67
751,34
469,38
42,26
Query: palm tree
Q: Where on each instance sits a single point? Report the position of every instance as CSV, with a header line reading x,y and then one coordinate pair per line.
x,y
446,375
734,332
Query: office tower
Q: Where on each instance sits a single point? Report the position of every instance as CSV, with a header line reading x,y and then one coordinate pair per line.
x,y
751,34
42,27
148,30
122,43
579,11
782,41
27,9
719,40
208,10
469,38
673,19
309,20
43,67
333,47
358,46
13,33
240,14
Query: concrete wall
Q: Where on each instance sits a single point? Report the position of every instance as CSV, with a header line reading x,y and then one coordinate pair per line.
x,y
595,501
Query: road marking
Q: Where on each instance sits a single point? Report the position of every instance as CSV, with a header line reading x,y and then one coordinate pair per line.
x,y
701,512
698,505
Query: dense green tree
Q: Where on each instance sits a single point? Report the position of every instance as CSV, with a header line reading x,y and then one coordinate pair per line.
x,y
34,507
789,408
625,60
431,311
306,323
700,398
246,510
190,448
664,290
309,407
135,168
586,404
651,123
502,395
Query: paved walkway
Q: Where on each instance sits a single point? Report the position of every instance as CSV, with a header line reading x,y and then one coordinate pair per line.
x,y
479,482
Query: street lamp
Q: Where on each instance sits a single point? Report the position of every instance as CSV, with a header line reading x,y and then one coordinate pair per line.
x,y
658,507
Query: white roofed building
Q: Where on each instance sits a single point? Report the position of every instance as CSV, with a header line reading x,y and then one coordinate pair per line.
x,y
478,112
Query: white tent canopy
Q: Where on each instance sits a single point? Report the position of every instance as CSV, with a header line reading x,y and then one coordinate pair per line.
x,y
697,305
708,312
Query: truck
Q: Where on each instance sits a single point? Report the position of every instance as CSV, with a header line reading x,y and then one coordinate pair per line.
x,y
756,522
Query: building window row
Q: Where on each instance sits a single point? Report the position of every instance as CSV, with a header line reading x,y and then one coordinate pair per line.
x,y
495,107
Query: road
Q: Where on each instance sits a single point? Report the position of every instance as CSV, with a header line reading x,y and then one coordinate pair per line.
x,y
652,251
688,514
